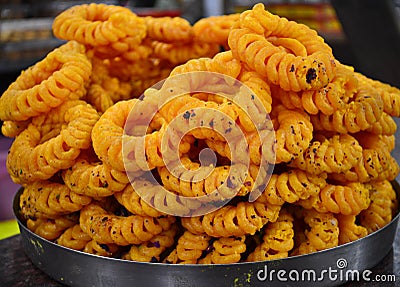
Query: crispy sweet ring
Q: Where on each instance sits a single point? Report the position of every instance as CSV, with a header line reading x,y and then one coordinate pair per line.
x,y
323,232
74,238
189,249
362,113
13,128
292,136
277,239
59,77
336,154
383,203
106,227
349,230
45,199
225,250
39,151
100,25
51,229
108,132
335,96
349,199
94,179
214,29
261,21
108,138
282,68
244,218
132,201
152,250
181,53
168,29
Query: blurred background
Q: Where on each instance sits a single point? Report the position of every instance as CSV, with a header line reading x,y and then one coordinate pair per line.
x,y
363,33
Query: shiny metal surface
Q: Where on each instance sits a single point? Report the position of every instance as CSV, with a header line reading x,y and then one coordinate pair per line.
x,y
330,267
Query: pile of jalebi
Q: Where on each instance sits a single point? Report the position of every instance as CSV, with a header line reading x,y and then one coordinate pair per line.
x,y
329,134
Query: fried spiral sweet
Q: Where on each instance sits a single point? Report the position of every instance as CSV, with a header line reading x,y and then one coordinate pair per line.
x,y
244,218
101,249
74,238
323,233
111,127
106,228
382,143
45,199
214,120
181,53
259,86
348,229
384,126
289,45
211,120
126,70
214,29
389,141
183,185
151,251
51,229
59,77
223,63
374,165
164,201
168,29
189,249
94,179
225,250
192,66
12,129
277,239
100,25
349,199
262,22
126,49
390,95
338,153
260,146
380,210
134,203
37,155
116,87
292,186
104,92
293,135
141,85
326,100
290,72
360,114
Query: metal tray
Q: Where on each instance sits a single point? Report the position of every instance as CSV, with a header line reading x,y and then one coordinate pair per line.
x,y
330,267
